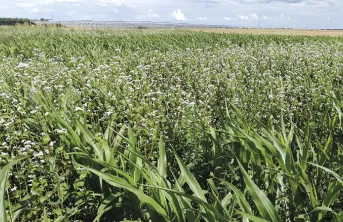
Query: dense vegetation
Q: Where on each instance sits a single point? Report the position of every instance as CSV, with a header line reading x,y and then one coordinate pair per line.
x,y
169,126
14,21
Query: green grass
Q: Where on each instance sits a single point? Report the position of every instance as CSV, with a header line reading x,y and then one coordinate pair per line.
x,y
151,125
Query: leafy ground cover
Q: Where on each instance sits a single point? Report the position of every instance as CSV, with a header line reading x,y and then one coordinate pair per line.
x,y
14,21
147,125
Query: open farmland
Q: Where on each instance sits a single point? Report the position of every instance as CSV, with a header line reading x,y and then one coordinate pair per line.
x,y
299,32
157,125
90,24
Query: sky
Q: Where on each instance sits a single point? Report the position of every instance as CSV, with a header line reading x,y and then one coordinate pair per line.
x,y
311,14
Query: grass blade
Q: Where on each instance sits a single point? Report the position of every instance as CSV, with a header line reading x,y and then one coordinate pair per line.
x,y
265,207
162,160
3,180
190,180
4,172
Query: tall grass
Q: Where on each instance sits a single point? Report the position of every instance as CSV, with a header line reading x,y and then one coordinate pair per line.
x,y
148,125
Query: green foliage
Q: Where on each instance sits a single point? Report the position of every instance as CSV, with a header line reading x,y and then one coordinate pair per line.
x,y
14,21
152,125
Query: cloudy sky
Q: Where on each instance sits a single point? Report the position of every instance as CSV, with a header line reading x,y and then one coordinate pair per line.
x,y
247,13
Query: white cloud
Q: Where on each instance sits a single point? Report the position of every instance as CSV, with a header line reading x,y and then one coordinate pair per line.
x,y
34,10
25,5
32,3
58,1
153,15
282,16
76,2
249,17
253,16
150,16
263,17
106,2
71,12
178,15
243,17
201,18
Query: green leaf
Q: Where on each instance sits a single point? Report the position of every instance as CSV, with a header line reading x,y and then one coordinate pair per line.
x,y
190,180
279,147
242,202
90,139
332,193
3,179
263,204
162,159
105,206
4,172
252,217
340,179
326,209
121,183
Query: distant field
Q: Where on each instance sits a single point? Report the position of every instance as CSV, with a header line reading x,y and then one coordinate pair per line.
x,y
293,32
277,31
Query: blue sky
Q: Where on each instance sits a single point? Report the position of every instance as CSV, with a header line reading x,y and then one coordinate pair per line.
x,y
247,13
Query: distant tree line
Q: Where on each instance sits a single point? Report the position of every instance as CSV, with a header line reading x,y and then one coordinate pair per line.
x,y
14,21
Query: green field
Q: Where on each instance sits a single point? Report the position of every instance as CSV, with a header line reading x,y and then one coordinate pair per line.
x,y
148,125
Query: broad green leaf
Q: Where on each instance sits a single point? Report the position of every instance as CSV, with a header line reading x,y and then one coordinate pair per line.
x,y
3,180
263,204
121,183
252,217
242,202
339,178
190,180
332,193
90,139
328,209
105,206
4,172
162,159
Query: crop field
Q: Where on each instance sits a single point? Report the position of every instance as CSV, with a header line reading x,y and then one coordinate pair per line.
x,y
158,125
292,32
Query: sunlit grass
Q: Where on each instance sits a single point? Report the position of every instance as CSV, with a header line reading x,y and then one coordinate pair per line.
x,y
155,125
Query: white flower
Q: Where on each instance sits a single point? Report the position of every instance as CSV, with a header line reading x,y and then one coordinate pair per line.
x,y
38,154
108,113
61,131
78,109
14,189
23,65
